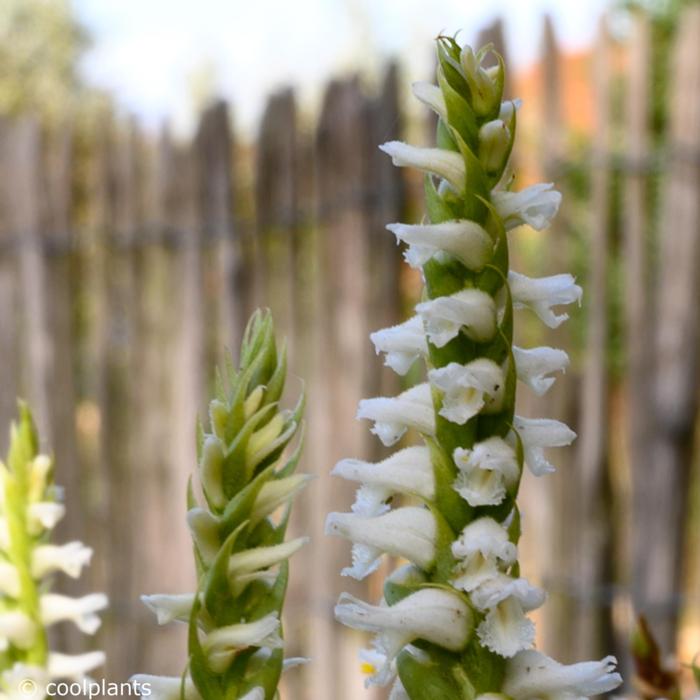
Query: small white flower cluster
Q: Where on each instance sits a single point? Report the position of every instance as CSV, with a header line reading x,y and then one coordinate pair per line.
x,y
28,512
487,596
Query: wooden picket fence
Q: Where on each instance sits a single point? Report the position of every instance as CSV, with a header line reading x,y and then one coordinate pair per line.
x,y
129,264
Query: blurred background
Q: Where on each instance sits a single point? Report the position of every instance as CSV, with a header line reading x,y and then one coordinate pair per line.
x,y
167,167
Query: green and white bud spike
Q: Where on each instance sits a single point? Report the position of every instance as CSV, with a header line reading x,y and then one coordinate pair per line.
x,y
29,509
246,465
454,622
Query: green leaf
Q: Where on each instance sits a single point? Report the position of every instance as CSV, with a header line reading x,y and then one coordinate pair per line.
x,y
202,676
460,115
217,585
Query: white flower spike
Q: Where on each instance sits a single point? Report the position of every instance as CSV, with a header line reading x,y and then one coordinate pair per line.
x,y
402,344
534,364
531,675
536,435
486,472
393,416
465,240
541,294
468,389
470,311
535,206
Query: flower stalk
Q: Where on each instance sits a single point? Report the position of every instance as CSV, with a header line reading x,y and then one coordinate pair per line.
x,y
454,621
246,483
29,509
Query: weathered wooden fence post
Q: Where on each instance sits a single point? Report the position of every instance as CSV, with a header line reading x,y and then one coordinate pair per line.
x,y
661,492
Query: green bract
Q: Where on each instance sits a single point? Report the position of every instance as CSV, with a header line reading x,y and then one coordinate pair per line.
x,y
245,482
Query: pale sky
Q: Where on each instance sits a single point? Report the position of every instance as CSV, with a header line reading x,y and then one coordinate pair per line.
x,y
148,52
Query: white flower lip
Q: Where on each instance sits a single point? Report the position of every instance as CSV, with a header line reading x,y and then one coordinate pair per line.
x,y
531,674
465,240
432,614
407,532
446,164
505,629
471,311
483,551
408,471
486,471
468,389
70,558
536,206
393,416
537,434
74,666
403,344
541,294
534,364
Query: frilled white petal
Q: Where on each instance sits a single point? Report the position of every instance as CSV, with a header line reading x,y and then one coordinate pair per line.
x,y
44,515
371,500
405,532
483,550
486,471
402,344
9,579
531,675
378,669
438,161
250,560
537,434
74,666
169,607
506,630
222,644
16,628
392,416
534,364
432,614
81,611
465,240
536,206
163,687
24,682
408,471
431,96
468,389
471,311
541,294
70,558
39,471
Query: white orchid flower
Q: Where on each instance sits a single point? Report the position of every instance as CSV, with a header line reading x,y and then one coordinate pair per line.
x,y
70,558
402,344
468,389
248,561
541,294
486,471
535,206
164,687
537,434
431,614
446,164
465,240
530,675
392,416
408,532
471,311
483,551
431,96
16,628
170,607
81,611
534,364
74,666
506,630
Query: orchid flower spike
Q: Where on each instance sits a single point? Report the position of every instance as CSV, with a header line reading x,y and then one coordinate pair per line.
x,y
247,457
29,510
453,622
